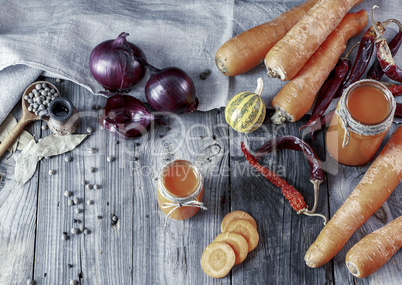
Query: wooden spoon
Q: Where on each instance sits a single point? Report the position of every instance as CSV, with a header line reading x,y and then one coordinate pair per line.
x,y
26,118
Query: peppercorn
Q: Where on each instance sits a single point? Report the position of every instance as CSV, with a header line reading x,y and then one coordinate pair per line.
x,y
84,182
71,202
90,202
97,186
31,282
73,282
90,130
92,150
64,237
87,232
110,158
52,172
89,186
77,200
68,193
92,169
100,217
68,158
75,231
77,210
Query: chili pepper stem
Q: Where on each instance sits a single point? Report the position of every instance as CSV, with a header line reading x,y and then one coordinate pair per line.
x,y
307,213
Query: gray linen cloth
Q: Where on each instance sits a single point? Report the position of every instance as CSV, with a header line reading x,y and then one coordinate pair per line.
x,y
57,36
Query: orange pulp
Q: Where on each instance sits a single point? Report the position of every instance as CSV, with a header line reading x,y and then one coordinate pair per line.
x,y
180,180
368,105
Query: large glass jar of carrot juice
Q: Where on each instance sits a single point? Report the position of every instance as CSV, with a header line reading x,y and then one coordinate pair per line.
x,y
180,189
363,116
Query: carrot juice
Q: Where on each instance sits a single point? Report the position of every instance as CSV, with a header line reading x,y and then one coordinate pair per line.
x,y
180,190
362,118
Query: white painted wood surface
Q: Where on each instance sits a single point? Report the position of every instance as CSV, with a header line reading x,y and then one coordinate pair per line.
x,y
138,249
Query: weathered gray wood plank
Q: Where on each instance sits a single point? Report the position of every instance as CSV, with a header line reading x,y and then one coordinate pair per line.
x,y
284,235
58,261
18,214
171,254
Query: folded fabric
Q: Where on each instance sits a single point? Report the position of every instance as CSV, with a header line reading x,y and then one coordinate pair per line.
x,y
57,37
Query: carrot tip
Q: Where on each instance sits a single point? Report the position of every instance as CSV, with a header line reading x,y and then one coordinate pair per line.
x,y
352,268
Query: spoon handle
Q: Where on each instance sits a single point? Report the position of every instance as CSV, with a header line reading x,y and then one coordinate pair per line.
x,y
12,136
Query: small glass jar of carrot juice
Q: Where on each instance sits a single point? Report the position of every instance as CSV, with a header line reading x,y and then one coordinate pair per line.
x,y
180,189
363,116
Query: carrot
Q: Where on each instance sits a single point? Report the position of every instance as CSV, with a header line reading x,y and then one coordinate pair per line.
x,y
248,49
373,190
237,242
246,229
297,96
374,250
217,259
289,55
234,215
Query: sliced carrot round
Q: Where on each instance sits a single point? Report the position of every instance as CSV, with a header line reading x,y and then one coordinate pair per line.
x,y
246,229
234,215
237,242
218,259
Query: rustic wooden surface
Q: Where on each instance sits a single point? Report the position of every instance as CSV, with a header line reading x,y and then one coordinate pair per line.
x,y
138,249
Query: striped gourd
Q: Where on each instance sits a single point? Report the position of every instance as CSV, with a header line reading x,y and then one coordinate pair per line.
x,y
245,112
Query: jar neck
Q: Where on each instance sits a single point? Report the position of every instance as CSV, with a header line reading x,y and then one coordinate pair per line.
x,y
363,128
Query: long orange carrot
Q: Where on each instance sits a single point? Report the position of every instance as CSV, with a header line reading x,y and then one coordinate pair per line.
x,y
248,49
375,249
289,55
297,96
372,191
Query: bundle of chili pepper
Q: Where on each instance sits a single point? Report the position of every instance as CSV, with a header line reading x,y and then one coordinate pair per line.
x,y
294,197
366,49
375,72
297,144
384,55
329,89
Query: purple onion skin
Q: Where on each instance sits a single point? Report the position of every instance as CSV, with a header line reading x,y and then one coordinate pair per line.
x,y
171,90
126,117
117,64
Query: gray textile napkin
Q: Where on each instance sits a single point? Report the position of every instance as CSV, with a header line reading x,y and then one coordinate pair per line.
x,y
57,37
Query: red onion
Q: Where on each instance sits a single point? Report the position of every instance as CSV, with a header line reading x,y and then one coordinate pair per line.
x,y
126,116
170,90
117,64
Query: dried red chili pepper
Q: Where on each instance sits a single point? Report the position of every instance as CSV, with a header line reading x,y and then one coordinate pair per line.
x,y
396,89
330,88
384,54
364,54
398,110
375,72
297,144
294,197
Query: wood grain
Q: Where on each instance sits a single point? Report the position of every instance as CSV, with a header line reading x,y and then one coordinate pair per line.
x,y
138,248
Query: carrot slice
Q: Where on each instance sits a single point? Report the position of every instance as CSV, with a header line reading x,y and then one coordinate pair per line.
x,y
246,229
237,242
235,215
218,259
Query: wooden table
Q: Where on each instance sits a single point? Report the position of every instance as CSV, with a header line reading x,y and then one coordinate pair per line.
x,y
138,248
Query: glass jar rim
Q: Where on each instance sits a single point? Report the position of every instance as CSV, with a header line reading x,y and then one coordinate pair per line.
x,y
366,128
172,197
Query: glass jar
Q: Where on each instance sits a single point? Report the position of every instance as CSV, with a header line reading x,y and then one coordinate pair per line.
x,y
363,116
180,189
